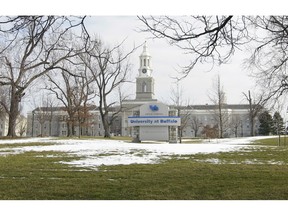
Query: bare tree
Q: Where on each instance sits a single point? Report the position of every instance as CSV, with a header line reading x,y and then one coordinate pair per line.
x,y
41,117
195,124
210,132
44,113
256,105
29,49
218,98
235,124
109,69
177,100
118,108
4,100
85,94
268,61
211,39
215,38
74,92
21,125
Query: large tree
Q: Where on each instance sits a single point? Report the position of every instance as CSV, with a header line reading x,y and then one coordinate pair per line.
x,y
30,47
256,105
207,39
269,59
214,39
109,68
74,92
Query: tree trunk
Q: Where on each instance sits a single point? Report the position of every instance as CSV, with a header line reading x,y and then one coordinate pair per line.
x,y
252,126
251,114
220,121
13,113
195,132
106,125
70,128
50,127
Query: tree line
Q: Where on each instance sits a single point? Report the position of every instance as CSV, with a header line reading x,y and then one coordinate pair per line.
x,y
271,124
58,51
213,40
59,48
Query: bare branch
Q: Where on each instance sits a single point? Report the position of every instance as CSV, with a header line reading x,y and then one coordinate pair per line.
x,y
206,38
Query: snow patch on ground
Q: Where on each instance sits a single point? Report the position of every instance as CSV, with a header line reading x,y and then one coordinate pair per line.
x,y
94,153
25,140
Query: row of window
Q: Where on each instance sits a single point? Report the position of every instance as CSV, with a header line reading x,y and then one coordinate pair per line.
x,y
63,126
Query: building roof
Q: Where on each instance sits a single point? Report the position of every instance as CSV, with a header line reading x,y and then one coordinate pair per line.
x,y
213,106
60,108
129,104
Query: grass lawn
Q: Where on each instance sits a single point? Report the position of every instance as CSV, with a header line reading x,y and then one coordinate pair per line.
x,y
249,175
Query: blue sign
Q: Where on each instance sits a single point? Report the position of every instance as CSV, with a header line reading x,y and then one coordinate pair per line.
x,y
154,108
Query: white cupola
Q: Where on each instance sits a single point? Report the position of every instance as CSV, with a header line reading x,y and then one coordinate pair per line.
x,y
145,62
145,82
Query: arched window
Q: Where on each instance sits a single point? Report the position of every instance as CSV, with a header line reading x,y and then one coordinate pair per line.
x,y
144,87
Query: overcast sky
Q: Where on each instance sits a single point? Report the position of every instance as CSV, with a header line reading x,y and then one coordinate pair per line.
x,y
167,60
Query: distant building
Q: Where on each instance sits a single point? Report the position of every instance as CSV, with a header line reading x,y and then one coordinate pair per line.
x,y
197,120
52,121
236,120
194,118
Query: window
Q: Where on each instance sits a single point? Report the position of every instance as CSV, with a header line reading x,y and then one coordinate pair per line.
x,y
144,62
144,87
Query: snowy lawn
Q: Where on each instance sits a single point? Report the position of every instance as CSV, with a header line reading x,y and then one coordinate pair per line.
x,y
225,169
94,153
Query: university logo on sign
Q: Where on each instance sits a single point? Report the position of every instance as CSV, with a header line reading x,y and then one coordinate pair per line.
x,y
154,107
154,115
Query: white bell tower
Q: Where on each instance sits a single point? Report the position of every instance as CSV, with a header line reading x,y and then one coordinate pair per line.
x,y
145,63
144,81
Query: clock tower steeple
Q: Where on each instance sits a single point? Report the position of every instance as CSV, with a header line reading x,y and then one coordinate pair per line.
x,y
145,62
144,81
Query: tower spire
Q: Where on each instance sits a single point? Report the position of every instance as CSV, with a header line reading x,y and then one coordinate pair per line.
x,y
144,81
145,62
145,47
